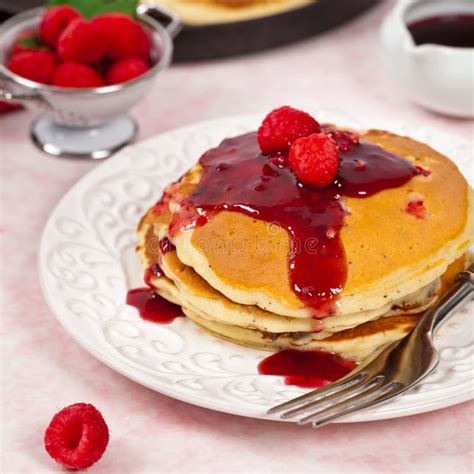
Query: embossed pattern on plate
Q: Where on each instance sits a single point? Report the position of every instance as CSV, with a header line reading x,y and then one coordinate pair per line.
x,y
87,263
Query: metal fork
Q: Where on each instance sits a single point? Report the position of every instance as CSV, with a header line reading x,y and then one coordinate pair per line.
x,y
390,372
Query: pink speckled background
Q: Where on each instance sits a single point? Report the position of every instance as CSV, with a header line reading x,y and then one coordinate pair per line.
x,y
43,369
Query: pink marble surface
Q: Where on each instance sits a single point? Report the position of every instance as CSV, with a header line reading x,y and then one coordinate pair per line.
x,y
43,369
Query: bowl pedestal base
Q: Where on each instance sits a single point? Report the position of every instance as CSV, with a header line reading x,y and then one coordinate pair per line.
x,y
95,142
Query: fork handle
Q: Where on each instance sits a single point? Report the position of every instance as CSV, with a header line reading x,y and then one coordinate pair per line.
x,y
453,299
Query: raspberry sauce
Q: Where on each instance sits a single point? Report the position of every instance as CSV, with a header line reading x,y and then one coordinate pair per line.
x,y
152,307
416,208
153,271
424,172
238,177
166,245
307,369
446,30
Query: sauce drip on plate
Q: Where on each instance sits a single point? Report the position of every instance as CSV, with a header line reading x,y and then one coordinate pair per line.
x,y
308,369
153,307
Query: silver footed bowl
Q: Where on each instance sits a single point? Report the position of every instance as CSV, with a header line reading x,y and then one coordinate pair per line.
x,y
93,119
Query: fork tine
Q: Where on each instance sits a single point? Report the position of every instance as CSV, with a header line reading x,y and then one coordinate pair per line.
x,y
334,399
319,393
374,396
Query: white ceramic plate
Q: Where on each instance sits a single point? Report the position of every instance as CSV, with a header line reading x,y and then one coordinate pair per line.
x,y
87,264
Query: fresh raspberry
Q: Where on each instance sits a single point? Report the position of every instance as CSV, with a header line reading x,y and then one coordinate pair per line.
x,y
76,75
6,107
124,36
37,66
81,42
281,127
77,436
315,160
126,69
54,22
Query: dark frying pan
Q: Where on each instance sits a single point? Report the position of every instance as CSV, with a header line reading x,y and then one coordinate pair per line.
x,y
196,43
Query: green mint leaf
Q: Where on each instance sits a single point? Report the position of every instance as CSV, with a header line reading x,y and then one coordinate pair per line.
x,y
32,42
91,8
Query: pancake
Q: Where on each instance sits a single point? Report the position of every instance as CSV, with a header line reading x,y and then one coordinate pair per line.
x,y
206,12
380,270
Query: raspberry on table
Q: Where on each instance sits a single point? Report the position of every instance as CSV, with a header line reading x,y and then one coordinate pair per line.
x,y
54,22
125,37
81,42
126,69
315,160
77,436
37,65
76,75
282,126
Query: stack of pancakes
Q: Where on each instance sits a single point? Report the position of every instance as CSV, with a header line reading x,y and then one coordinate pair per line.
x,y
231,285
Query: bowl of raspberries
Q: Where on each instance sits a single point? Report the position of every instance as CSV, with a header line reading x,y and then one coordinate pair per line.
x,y
83,73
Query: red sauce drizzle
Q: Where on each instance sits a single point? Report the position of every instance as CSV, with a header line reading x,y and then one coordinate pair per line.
x,y
166,245
152,307
308,369
424,172
416,208
153,271
238,177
